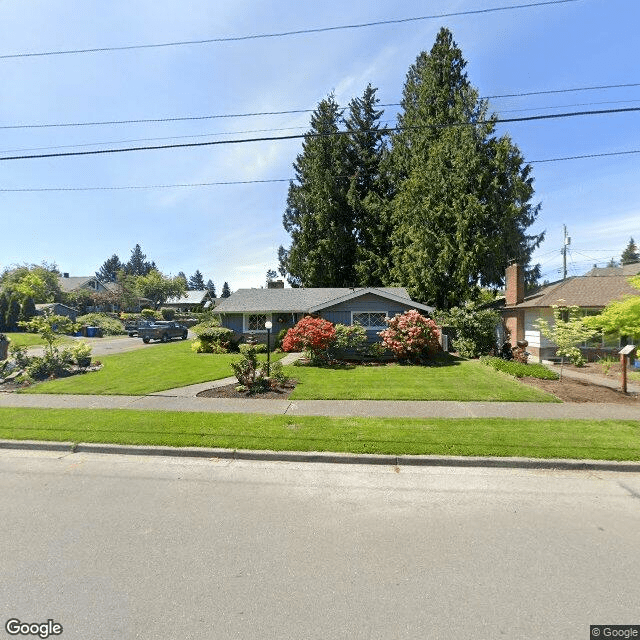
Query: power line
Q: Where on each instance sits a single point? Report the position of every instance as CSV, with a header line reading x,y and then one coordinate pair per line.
x,y
320,135
281,34
95,123
265,181
589,155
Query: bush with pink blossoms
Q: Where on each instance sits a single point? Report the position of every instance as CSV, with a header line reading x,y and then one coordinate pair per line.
x,y
313,336
411,336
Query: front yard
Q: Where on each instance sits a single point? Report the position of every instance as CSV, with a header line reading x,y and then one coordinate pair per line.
x,y
137,373
167,366
451,379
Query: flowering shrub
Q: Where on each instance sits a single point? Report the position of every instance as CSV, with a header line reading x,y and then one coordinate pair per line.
x,y
312,336
411,336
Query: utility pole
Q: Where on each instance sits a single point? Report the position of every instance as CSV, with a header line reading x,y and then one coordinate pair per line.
x,y
567,242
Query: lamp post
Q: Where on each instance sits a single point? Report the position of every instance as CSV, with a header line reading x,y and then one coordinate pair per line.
x,y
268,326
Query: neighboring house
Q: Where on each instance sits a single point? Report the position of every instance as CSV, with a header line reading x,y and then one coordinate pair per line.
x,y
591,292
192,301
57,309
247,310
74,284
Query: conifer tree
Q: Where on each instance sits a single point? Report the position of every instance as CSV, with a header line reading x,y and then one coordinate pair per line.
x,y
108,272
226,292
630,255
461,202
318,216
196,281
211,288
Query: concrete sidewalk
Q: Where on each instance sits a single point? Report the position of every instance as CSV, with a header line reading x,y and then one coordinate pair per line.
x,y
330,408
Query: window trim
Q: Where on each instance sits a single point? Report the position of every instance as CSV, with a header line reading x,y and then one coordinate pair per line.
x,y
245,321
376,328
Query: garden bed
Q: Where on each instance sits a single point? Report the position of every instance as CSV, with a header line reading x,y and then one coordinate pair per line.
x,y
230,391
572,390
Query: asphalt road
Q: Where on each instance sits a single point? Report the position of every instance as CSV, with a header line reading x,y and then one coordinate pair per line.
x,y
131,547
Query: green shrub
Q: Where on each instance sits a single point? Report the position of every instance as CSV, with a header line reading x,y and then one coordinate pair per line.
x,y
475,329
167,313
150,314
212,339
277,343
259,348
200,346
348,338
110,326
519,370
211,323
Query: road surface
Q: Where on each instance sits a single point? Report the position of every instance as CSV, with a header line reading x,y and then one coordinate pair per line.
x,y
133,547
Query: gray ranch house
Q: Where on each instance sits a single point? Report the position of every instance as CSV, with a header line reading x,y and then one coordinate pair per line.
x,y
247,310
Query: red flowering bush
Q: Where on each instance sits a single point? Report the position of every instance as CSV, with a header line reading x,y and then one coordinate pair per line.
x,y
312,336
411,336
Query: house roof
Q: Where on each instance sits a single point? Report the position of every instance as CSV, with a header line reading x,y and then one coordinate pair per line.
x,y
581,291
190,297
303,300
625,270
71,283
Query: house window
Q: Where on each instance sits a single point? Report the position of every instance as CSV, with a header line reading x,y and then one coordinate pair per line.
x,y
370,319
255,321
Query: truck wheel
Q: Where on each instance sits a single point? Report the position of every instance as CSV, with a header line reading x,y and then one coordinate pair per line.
x,y
145,340
184,335
165,338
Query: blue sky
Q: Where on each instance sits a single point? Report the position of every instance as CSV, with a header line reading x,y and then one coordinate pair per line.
x,y
232,232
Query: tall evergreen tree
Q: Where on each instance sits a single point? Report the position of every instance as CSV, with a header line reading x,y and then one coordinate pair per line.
x,y
318,216
108,272
196,281
28,310
138,264
630,255
368,194
226,292
461,205
211,288
4,307
13,314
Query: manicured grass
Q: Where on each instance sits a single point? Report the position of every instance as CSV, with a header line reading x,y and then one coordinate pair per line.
x,y
156,368
29,339
452,379
599,440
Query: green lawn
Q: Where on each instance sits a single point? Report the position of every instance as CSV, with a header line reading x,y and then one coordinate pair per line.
x,y
159,367
454,379
591,439
29,339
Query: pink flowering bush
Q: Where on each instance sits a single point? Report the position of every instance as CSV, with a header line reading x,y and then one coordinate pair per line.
x,y
411,336
313,336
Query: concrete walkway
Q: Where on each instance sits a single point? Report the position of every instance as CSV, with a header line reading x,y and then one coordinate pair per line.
x,y
594,378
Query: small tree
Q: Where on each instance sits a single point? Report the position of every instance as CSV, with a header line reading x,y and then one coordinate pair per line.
x,y
569,329
630,255
226,292
475,329
411,336
13,314
28,310
620,316
312,336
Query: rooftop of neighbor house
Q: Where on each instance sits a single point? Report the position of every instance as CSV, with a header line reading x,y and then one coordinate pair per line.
x,y
589,291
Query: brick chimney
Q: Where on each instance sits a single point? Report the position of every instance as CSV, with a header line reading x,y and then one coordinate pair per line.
x,y
514,285
275,284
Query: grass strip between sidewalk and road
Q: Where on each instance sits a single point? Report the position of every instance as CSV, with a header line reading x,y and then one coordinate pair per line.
x,y
498,437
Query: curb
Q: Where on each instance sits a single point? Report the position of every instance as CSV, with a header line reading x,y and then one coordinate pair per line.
x,y
327,457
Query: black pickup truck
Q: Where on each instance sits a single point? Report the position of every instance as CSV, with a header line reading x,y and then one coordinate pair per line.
x,y
163,331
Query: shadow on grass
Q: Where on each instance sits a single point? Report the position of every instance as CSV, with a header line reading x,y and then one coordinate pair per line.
x,y
438,360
